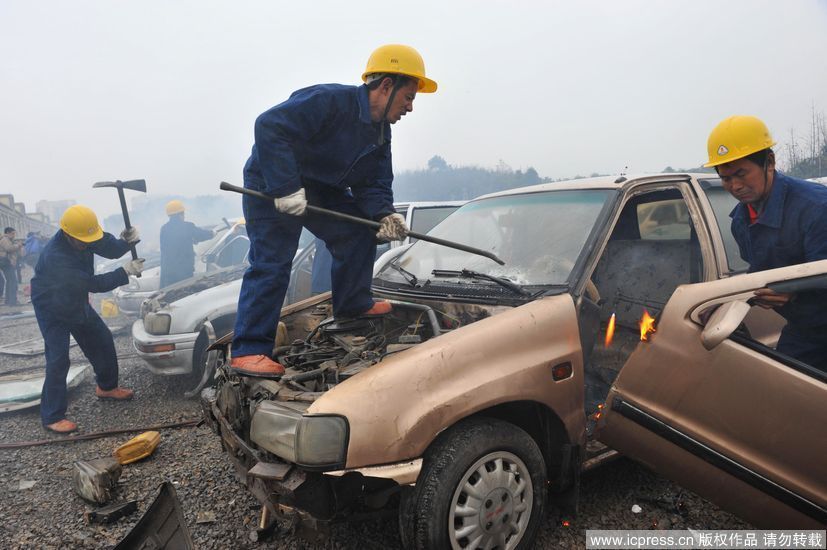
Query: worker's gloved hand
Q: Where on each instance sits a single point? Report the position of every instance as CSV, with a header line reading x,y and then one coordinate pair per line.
x,y
392,228
134,267
294,204
130,235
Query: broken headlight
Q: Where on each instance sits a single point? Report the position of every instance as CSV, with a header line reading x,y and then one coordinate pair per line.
x,y
157,323
322,441
312,441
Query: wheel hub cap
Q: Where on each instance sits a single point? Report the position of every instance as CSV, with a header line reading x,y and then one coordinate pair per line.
x,y
492,504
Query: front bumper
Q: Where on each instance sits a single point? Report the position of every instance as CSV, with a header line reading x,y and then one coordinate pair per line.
x,y
165,353
313,499
129,302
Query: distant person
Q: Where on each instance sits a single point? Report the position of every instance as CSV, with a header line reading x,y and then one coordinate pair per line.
x,y
10,251
33,246
63,278
779,221
177,240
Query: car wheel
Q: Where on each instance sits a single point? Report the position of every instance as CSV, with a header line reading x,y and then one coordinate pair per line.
x,y
483,485
199,361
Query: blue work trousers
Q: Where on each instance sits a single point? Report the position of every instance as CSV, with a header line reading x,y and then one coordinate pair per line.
x,y
273,244
94,339
807,346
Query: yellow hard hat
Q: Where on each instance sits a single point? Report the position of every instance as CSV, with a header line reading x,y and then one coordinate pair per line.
x,y
737,137
81,223
174,207
399,59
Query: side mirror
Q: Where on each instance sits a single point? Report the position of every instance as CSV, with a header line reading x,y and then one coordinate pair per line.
x,y
723,322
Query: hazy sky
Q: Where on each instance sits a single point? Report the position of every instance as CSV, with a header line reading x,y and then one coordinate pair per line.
x,y
168,90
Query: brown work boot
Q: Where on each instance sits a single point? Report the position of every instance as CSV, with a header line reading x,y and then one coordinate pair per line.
x,y
62,426
379,308
259,366
116,394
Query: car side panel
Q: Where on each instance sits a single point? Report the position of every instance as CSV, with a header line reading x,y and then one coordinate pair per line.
x,y
752,427
396,408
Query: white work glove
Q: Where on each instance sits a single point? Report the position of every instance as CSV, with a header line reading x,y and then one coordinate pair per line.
x,y
392,228
293,204
134,267
130,235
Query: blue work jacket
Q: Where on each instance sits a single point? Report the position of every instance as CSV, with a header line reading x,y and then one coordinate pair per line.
x,y
64,277
177,254
791,230
322,137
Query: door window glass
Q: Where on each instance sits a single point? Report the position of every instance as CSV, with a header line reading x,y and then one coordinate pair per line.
x,y
234,252
663,220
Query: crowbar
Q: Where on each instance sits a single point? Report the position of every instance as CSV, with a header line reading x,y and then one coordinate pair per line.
x,y
370,223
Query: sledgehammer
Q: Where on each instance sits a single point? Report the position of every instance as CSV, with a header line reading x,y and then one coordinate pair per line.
x,y
135,185
370,223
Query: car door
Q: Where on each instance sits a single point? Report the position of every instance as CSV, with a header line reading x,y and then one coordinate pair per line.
x,y
722,414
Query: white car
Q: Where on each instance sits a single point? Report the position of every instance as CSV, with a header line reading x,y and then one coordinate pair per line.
x,y
227,248
178,324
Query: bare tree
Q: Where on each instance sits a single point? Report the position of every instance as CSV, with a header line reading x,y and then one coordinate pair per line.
x,y
791,150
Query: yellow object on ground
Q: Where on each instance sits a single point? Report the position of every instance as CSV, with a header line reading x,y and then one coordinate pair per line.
x,y
138,447
109,308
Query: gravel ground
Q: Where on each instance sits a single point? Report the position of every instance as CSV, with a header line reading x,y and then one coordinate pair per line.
x,y
50,514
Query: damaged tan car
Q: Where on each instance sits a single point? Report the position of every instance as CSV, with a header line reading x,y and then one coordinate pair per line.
x,y
620,316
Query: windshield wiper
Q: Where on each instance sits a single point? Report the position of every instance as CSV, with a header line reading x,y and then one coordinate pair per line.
x,y
409,277
502,281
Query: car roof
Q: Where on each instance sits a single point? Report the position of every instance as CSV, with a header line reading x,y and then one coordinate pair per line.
x,y
600,182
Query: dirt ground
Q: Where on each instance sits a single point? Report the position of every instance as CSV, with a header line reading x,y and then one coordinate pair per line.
x,y
44,512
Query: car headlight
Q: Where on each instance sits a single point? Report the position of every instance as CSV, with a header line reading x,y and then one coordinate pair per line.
x,y
315,441
322,441
157,323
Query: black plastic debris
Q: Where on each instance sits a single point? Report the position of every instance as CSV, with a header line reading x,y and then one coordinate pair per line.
x,y
162,526
113,512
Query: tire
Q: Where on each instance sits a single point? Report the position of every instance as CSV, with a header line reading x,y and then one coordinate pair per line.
x,y
199,360
483,482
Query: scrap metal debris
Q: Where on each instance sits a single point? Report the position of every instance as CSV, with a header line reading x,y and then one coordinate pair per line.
x,y
95,480
32,346
23,485
21,391
205,517
17,315
37,346
113,512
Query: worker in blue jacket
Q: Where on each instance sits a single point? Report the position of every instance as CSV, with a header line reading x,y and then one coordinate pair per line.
x,y
328,145
177,238
779,221
63,278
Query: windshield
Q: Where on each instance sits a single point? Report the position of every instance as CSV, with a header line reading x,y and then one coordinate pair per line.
x,y
425,219
538,235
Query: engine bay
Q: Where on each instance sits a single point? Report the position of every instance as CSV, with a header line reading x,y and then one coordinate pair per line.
x,y
324,351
